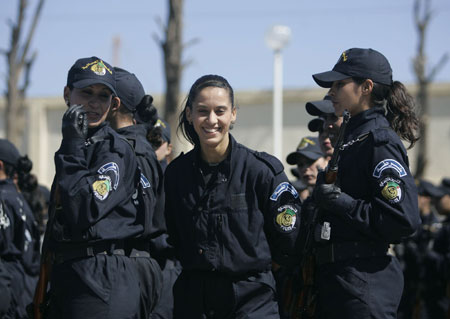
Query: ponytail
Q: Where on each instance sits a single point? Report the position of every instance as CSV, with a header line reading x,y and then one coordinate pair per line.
x,y
146,112
26,181
399,110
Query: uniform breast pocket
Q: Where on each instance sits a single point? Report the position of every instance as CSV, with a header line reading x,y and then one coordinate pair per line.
x,y
238,202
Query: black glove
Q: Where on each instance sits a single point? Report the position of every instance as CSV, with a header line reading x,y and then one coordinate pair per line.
x,y
330,198
75,123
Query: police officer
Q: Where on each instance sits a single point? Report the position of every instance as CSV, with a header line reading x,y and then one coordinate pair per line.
x,y
309,159
230,211
412,252
327,123
437,262
20,234
121,117
374,201
92,206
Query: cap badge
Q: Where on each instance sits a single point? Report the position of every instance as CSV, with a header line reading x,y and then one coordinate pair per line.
x,y
344,56
98,67
304,143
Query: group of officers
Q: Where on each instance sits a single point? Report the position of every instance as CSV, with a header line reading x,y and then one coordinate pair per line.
x,y
106,247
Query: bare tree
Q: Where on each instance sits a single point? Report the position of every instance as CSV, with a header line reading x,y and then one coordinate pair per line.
x,y
172,46
422,17
19,65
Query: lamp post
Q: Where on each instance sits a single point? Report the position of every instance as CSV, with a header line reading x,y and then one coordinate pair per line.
x,y
276,38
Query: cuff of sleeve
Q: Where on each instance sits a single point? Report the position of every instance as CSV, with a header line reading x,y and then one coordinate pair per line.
x,y
73,146
344,204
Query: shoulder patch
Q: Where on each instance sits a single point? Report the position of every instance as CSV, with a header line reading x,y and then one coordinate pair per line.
x,y
114,168
4,219
275,165
285,218
392,190
389,163
281,188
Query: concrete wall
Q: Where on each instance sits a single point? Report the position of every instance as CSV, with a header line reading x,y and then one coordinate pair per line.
x,y
253,128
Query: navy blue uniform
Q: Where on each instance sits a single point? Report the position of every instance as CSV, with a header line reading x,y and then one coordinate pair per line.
x,y
356,276
227,223
437,274
152,184
5,288
20,249
92,277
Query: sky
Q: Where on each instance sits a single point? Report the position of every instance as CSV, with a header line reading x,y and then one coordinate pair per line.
x,y
228,39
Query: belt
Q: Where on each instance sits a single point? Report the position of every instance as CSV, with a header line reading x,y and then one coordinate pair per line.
x,y
67,252
335,252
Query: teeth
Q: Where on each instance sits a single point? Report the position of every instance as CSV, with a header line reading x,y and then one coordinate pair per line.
x,y
211,130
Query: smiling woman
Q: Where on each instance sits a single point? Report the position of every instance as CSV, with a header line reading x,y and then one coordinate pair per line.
x,y
230,212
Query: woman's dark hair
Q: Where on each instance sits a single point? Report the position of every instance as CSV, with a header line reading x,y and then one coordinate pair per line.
x,y
154,136
26,181
400,107
210,80
146,112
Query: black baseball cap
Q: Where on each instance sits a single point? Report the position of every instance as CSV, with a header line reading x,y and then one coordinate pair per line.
x,y
359,63
308,147
8,152
316,125
317,108
89,71
445,186
129,89
426,188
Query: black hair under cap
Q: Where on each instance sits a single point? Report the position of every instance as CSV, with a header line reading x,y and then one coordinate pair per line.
x,y
359,63
165,129
8,152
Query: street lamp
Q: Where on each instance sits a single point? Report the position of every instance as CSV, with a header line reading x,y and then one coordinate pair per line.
x,y
277,37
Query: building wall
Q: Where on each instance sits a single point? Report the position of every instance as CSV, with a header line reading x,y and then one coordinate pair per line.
x,y
253,128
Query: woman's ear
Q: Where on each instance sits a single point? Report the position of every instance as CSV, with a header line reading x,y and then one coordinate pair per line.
x,y
188,115
66,95
115,103
367,87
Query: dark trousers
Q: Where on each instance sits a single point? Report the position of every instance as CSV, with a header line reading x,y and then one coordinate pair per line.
x,y
102,286
164,308
150,283
360,288
214,295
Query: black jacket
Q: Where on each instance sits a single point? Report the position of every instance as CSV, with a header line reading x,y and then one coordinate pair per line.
x,y
374,172
96,181
245,216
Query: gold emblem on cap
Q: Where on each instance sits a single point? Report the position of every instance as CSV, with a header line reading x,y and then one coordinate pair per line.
x,y
304,143
344,56
98,67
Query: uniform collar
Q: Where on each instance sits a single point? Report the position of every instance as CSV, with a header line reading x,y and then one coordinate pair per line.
x,y
224,166
360,122
8,182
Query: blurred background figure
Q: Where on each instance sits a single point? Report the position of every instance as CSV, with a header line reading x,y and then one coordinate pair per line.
x,y
159,138
437,261
309,159
19,233
412,253
326,123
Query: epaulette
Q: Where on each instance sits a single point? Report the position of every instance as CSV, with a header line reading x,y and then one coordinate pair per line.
x,y
275,165
380,135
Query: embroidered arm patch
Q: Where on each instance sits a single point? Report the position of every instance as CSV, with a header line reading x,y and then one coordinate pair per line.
x,y
285,218
281,188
